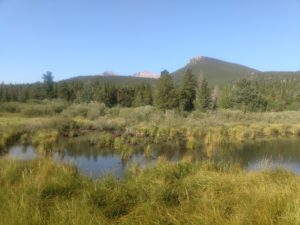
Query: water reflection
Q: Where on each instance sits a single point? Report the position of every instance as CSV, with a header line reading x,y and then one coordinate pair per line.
x,y
95,162
266,154
21,153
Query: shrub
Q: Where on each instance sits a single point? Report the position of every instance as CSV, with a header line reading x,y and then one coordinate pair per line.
x,y
95,110
76,110
45,140
102,140
10,107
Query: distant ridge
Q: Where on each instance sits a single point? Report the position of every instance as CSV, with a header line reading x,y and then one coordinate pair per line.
x,y
109,79
108,73
147,74
214,70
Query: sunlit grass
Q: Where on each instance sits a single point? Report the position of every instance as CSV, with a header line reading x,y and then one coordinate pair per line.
x,y
42,192
121,128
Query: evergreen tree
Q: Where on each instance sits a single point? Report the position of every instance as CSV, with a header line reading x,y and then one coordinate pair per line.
x,y
203,100
166,95
37,91
86,93
143,95
247,98
188,91
147,94
109,95
138,99
214,98
48,82
64,91
225,100
23,94
125,96
3,97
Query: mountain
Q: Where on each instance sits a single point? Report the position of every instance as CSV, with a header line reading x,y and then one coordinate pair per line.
x,y
108,73
147,74
280,74
112,79
214,70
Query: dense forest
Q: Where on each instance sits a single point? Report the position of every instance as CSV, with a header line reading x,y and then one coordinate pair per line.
x,y
247,94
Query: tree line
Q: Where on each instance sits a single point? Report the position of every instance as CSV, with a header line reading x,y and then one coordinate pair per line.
x,y
191,94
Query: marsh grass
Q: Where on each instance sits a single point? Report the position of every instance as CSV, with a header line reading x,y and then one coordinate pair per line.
x,y
122,129
42,192
45,140
34,108
8,136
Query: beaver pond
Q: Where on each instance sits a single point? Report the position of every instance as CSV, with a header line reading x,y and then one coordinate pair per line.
x,y
268,154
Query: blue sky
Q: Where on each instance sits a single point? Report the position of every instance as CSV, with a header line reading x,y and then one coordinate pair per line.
x,y
72,37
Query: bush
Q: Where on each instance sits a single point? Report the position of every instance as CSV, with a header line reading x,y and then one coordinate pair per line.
x,y
10,107
96,110
103,140
76,110
44,108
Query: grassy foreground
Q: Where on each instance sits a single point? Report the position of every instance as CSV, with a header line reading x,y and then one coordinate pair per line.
x,y
41,192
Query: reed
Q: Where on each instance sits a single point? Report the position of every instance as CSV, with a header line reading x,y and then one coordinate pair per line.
x,y
133,127
45,140
42,192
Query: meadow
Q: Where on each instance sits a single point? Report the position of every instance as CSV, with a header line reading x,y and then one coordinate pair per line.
x,y
43,123
42,192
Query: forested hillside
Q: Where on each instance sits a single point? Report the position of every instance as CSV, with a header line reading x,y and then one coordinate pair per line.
x,y
255,92
214,70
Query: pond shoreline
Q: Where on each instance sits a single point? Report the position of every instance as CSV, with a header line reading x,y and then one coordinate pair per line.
x,y
95,162
185,192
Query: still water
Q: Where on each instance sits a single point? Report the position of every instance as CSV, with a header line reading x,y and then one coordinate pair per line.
x,y
284,153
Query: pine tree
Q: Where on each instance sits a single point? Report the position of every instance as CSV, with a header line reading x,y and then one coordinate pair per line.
x,y
138,99
225,99
142,95
147,94
3,91
247,98
87,92
214,98
125,96
64,91
109,95
48,82
166,95
203,100
188,91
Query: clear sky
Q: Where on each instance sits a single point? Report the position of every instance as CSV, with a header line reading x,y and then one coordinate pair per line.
x,y
82,37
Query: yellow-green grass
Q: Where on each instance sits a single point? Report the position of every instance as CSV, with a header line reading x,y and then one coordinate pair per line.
x,y
42,192
121,128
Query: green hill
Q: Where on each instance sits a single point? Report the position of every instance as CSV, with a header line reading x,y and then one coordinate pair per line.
x,y
117,79
214,70
277,75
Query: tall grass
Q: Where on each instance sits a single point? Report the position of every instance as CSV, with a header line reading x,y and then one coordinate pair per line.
x,y
41,192
136,124
36,108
